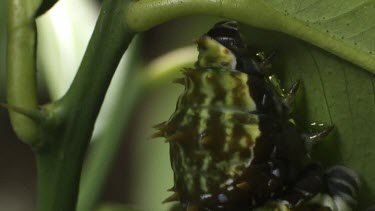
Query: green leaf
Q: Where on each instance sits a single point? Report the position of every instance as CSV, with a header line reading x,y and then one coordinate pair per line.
x,y
337,93
345,28
349,23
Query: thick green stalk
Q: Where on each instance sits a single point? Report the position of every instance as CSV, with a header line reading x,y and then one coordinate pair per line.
x,y
104,150
59,164
142,15
21,65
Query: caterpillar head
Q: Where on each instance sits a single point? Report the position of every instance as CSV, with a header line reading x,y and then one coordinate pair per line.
x,y
212,54
228,35
222,46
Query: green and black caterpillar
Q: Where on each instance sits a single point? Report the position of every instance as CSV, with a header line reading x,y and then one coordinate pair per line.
x,y
233,145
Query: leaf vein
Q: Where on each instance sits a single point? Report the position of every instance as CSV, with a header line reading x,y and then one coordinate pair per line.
x,y
302,9
350,154
362,32
351,10
321,82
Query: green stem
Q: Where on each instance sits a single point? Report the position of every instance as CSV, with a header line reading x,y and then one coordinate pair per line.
x,y
104,150
142,15
21,64
60,163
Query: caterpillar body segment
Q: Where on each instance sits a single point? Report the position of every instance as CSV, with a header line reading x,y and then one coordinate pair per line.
x,y
233,144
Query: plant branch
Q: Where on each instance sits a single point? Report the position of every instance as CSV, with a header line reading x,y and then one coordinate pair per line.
x,y
21,63
142,15
106,145
59,165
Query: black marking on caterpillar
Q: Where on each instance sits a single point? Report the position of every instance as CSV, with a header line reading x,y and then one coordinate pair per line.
x,y
233,145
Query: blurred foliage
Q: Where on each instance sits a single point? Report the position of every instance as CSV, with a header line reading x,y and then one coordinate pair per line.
x,y
116,207
336,92
64,32
2,48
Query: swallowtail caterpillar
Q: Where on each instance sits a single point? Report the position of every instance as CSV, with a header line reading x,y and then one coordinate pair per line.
x,y
233,145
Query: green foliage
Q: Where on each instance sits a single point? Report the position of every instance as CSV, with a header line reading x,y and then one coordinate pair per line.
x,y
349,22
337,27
2,49
336,92
115,207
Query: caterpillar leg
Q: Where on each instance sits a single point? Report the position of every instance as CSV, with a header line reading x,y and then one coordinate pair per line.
x,y
313,138
266,62
291,95
343,187
283,206
340,192
309,183
336,188
333,190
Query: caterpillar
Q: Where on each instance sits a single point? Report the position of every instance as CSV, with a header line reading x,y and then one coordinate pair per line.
x,y
233,145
